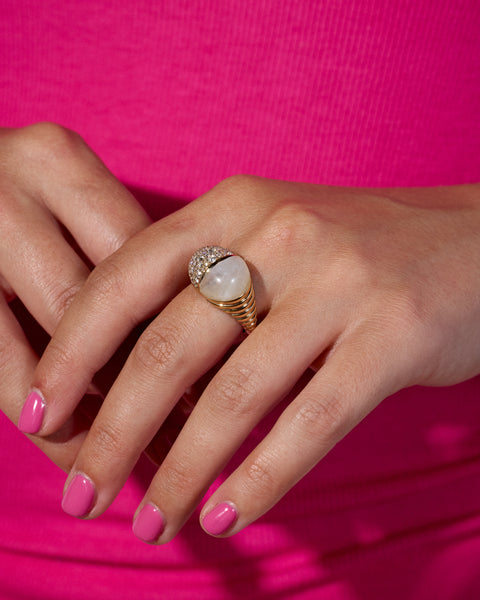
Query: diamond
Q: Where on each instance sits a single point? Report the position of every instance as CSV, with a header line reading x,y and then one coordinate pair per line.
x,y
203,259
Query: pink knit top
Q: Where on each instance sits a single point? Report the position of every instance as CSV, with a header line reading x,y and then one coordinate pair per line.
x,y
175,96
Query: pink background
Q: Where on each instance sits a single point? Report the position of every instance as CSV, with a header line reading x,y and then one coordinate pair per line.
x,y
175,96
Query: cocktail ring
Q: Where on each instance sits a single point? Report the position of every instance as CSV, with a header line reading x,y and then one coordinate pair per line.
x,y
223,278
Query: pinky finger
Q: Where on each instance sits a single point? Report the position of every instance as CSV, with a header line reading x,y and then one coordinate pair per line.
x,y
344,390
17,363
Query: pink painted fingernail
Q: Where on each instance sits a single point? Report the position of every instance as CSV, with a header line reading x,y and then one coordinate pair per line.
x,y
220,519
31,417
78,498
149,523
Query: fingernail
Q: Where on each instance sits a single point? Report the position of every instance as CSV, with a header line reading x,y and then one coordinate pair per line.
x,y
78,499
220,519
149,523
31,417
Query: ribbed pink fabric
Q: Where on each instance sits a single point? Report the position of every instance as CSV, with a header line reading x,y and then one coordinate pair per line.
x,y
175,96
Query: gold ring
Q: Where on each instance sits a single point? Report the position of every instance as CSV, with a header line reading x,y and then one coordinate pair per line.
x,y
224,279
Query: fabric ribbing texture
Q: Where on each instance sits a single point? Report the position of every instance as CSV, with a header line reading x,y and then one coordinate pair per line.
x,y
176,96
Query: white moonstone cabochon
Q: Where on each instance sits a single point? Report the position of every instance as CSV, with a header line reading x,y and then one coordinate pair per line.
x,y
227,280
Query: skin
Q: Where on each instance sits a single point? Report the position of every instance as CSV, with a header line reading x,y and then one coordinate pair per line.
x,y
56,224
377,289
61,213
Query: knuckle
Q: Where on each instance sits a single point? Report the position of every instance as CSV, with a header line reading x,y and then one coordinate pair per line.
x,y
47,142
159,349
353,274
60,300
237,184
406,312
238,189
291,228
401,317
234,392
321,418
106,282
177,479
259,476
107,440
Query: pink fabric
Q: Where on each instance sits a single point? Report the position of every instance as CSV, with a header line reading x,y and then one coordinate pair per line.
x,y
175,96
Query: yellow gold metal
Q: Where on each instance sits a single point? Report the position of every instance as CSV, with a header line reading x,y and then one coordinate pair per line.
x,y
243,309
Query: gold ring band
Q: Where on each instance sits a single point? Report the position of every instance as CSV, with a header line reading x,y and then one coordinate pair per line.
x,y
223,278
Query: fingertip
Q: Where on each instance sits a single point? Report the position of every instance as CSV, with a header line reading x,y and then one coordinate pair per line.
x,y
220,519
31,417
79,496
149,524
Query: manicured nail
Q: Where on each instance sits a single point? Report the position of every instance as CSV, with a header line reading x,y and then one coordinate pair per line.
x,y
78,498
31,416
220,519
149,523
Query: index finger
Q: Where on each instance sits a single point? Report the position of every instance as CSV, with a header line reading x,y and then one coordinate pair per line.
x,y
129,286
136,282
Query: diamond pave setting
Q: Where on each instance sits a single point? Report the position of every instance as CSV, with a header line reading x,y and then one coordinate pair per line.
x,y
203,259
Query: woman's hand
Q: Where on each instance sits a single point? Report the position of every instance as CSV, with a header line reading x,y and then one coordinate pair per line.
x,y
378,289
61,211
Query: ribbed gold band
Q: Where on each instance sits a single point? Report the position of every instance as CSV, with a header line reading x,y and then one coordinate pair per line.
x,y
243,309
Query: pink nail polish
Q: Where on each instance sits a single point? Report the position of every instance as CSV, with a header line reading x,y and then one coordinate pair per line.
x,y
31,417
149,523
78,498
220,519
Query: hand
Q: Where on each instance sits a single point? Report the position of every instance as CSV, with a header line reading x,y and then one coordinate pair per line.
x,y
61,211
378,289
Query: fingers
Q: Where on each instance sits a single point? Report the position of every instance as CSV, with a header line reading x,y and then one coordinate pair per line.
x,y
348,386
50,175
175,350
333,403
331,305
17,363
260,372
40,266
134,284
74,185
128,287
50,178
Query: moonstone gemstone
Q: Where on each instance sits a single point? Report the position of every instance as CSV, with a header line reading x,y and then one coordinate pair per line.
x,y
227,280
